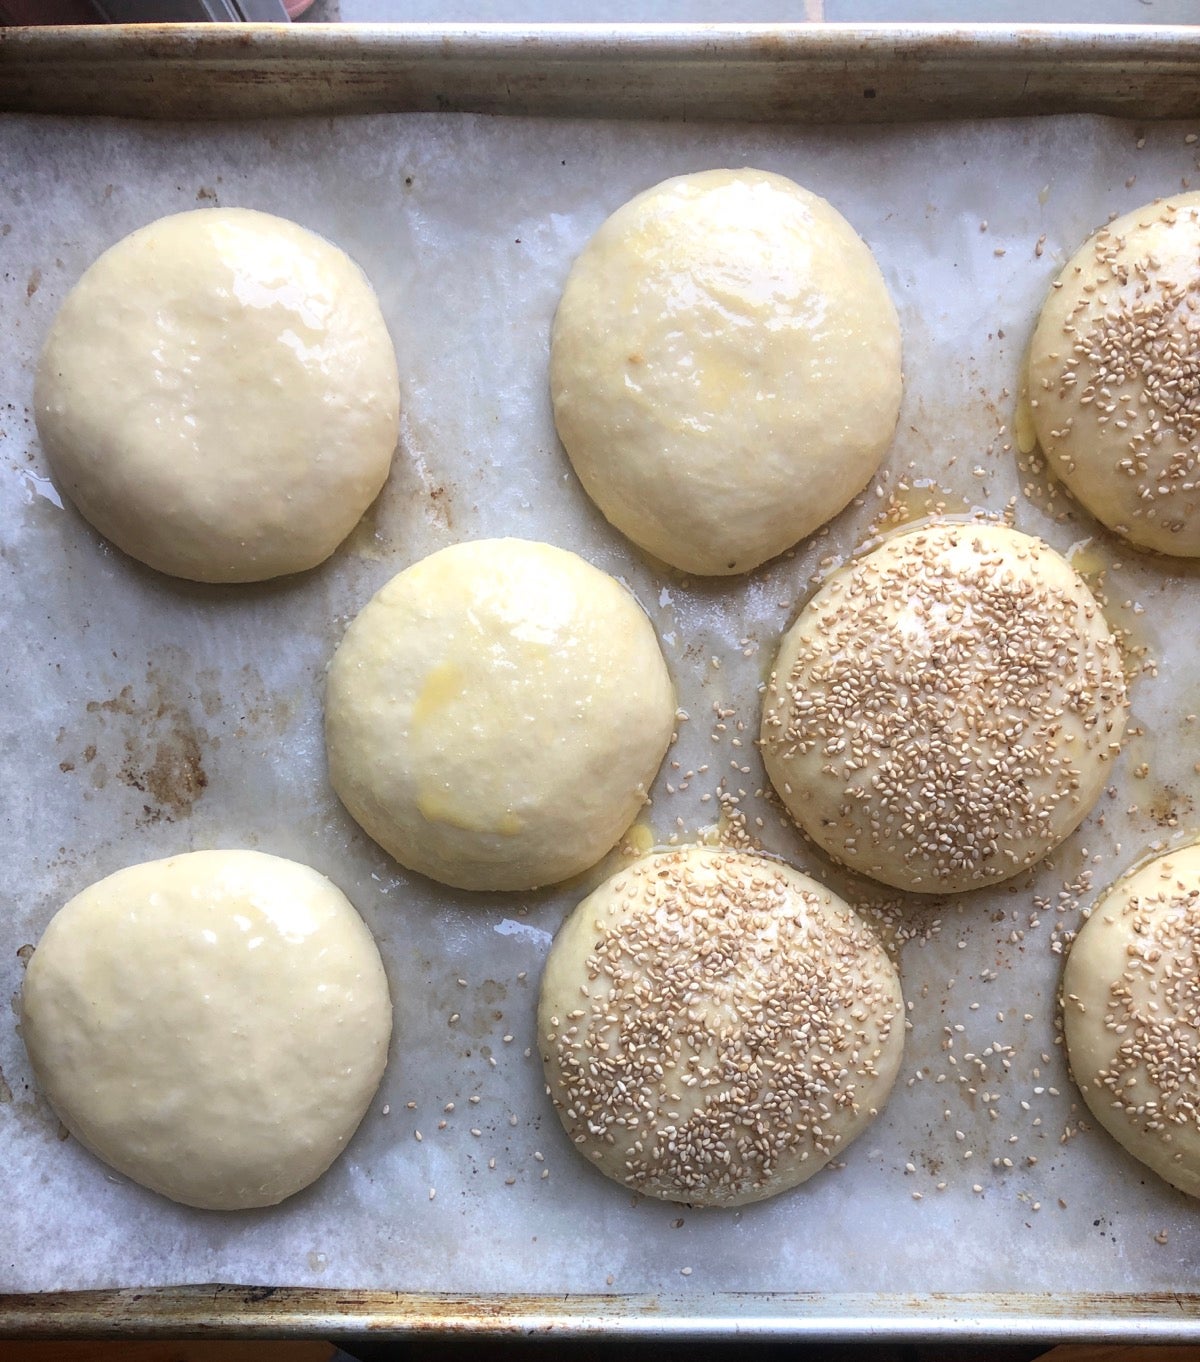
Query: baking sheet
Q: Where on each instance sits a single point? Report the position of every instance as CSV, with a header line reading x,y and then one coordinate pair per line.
x,y
142,716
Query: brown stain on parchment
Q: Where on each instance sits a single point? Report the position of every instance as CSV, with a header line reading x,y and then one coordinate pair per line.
x,y
145,738
1170,807
173,775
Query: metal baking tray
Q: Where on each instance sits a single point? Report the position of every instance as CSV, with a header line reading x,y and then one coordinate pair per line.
x,y
816,75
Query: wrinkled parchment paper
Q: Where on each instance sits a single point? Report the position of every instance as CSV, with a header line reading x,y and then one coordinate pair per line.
x,y
141,716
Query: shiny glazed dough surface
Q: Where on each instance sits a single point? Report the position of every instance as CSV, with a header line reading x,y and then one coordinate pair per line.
x,y
212,1025
218,395
725,368
1131,1013
495,715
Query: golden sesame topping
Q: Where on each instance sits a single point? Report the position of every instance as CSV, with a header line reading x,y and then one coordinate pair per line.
x,y
1117,356
743,1025
943,709
1131,1007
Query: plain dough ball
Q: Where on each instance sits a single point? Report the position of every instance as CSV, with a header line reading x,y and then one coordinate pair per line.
x,y
218,396
213,1025
495,716
946,709
716,1026
1114,379
1131,1012
725,368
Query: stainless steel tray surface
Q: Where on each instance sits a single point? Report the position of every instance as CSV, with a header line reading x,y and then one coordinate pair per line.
x,y
140,716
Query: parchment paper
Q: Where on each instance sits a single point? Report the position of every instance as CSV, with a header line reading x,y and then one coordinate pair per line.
x,y
141,716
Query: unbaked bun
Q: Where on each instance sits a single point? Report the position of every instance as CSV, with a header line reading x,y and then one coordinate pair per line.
x,y
495,715
1131,1013
716,1026
725,368
218,395
212,1025
945,709
1114,378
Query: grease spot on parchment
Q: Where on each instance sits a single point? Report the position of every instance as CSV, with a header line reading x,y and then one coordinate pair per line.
x,y
145,738
1170,807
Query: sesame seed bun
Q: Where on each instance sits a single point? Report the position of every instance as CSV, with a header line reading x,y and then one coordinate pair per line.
x,y
1114,376
946,709
1131,1013
716,1026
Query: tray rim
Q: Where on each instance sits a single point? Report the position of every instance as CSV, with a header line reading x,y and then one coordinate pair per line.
x,y
783,71
219,1310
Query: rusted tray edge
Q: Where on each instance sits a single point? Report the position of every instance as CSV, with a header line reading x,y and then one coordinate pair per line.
x,y
799,72
229,1311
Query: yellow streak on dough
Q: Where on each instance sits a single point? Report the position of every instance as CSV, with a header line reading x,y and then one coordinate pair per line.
x,y
1023,427
443,684
439,807
1088,559
641,839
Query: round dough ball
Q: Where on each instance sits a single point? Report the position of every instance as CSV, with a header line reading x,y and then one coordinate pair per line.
x,y
496,714
218,396
1114,378
725,368
946,709
212,1025
1131,1012
716,1026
